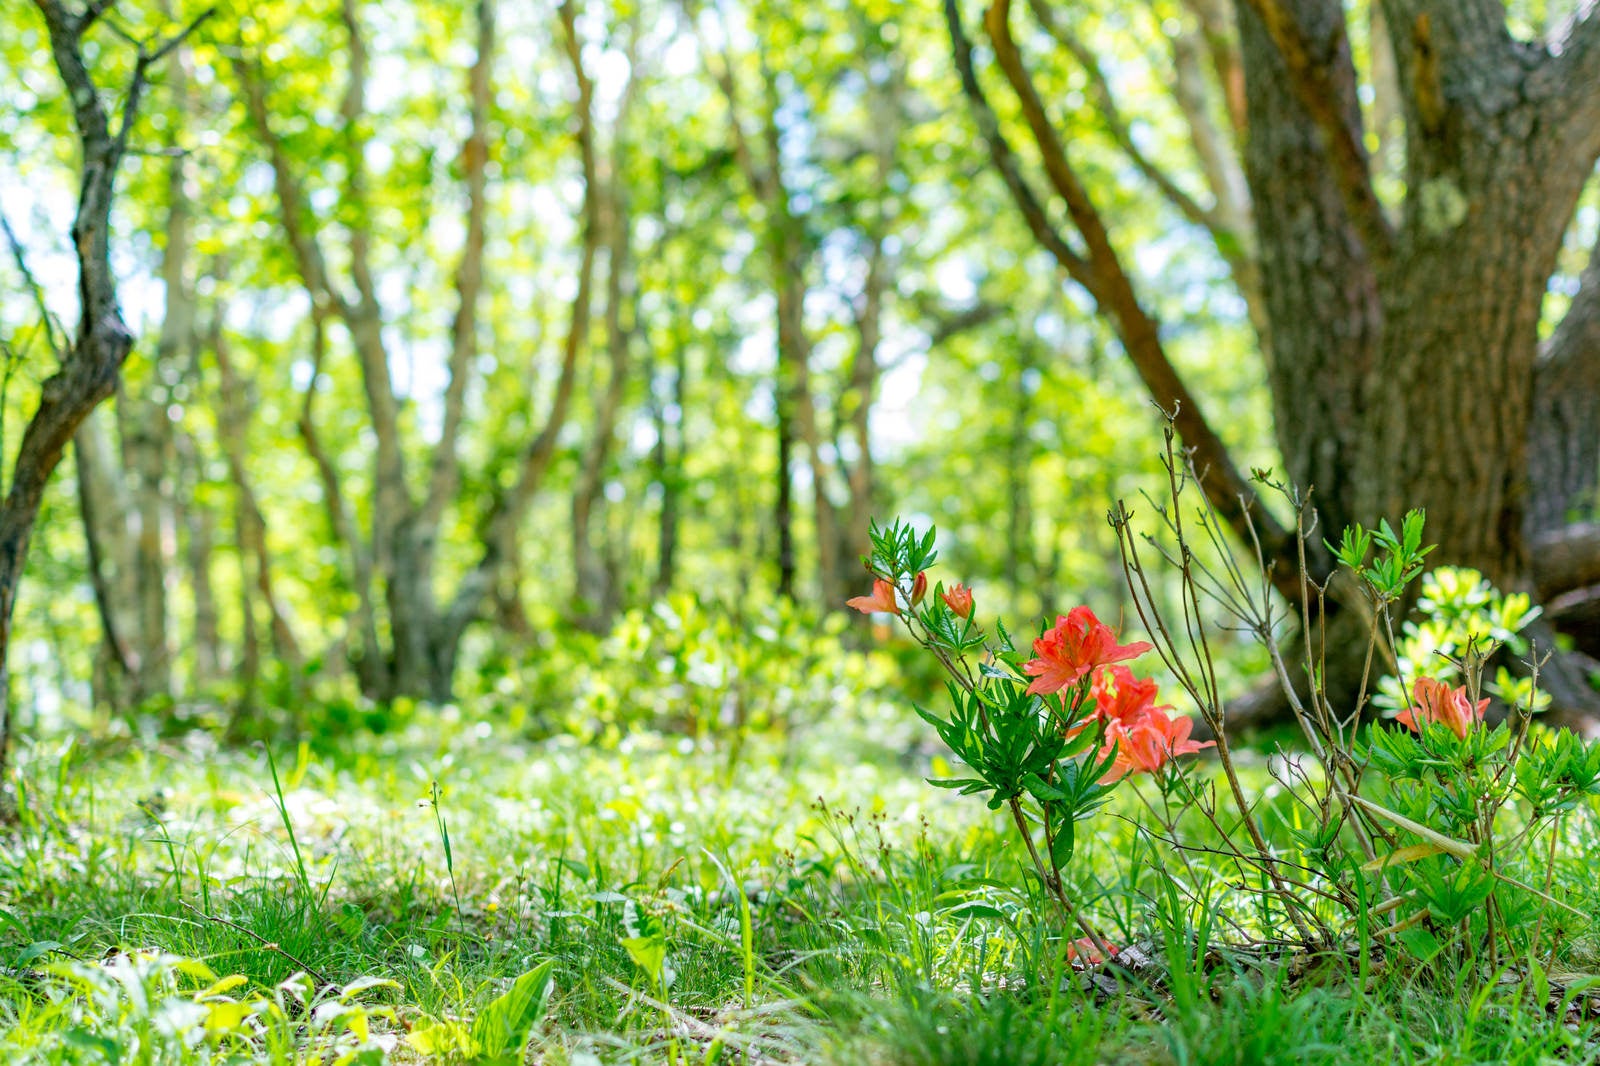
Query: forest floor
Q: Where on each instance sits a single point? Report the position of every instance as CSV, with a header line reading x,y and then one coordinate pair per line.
x,y
816,902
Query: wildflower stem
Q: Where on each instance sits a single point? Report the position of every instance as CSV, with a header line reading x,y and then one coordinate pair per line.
x,y
1052,883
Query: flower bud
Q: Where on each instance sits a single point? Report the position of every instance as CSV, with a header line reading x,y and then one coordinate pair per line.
x,y
959,600
919,587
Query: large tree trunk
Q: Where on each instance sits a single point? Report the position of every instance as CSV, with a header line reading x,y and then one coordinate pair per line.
x,y
1312,260
1404,364
1405,358
1403,374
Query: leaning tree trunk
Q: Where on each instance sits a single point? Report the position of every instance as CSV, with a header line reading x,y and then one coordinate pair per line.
x,y
89,366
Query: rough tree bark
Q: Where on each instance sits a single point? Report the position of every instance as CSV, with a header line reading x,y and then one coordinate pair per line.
x,y
1404,366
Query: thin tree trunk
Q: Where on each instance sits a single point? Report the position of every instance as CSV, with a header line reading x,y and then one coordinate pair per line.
x,y
668,462
148,436
533,462
1020,557
796,420
371,666
257,589
401,550
594,591
200,540
887,109
108,553
89,367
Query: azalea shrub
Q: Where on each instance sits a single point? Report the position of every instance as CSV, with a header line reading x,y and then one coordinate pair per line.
x,y
1049,732
1416,822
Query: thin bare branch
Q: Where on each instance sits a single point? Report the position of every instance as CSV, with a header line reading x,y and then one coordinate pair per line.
x,y
20,257
1117,125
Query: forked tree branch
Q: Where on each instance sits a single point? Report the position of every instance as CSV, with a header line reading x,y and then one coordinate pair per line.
x,y
536,455
88,369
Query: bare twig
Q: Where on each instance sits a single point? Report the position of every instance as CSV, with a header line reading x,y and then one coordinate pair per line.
x,y
271,945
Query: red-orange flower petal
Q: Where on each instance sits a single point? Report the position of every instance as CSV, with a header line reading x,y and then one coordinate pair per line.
x,y
1146,746
882,599
1120,697
1438,702
1077,644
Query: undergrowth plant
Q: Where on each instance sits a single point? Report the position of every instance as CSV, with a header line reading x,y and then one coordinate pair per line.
x,y
1431,830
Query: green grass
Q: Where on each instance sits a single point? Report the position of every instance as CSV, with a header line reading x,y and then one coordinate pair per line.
x,y
809,905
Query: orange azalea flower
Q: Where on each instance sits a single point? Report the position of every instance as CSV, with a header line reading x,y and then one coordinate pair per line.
x,y
959,600
1079,643
1438,702
1122,699
1149,744
882,599
919,587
